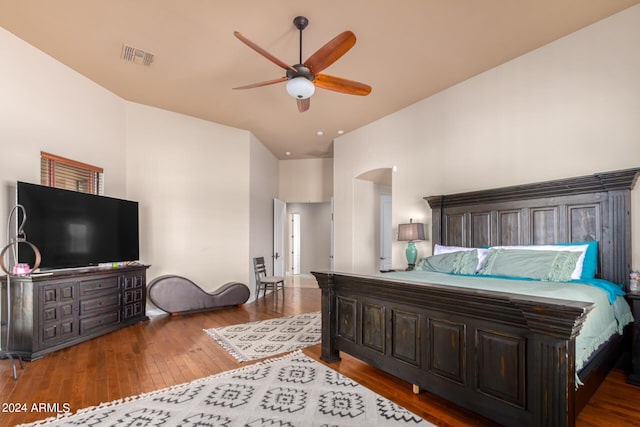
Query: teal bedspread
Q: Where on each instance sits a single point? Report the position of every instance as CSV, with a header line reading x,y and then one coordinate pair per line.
x,y
602,322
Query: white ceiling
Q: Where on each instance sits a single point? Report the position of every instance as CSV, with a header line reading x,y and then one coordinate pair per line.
x,y
406,50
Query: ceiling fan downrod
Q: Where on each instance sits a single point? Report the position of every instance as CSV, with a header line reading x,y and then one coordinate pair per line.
x,y
301,23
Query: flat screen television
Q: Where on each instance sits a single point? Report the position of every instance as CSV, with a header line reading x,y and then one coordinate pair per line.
x,y
73,229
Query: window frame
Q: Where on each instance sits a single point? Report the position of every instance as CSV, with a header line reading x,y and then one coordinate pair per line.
x,y
95,184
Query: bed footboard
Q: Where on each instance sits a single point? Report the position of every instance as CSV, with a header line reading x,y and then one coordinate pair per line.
x,y
507,358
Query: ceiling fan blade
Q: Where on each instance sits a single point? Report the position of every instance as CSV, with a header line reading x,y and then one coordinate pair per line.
x,y
263,52
339,84
330,52
268,82
303,104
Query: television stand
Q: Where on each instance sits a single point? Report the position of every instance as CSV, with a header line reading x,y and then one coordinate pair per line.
x,y
58,309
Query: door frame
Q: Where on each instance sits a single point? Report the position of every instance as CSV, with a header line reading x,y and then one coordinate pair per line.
x,y
279,230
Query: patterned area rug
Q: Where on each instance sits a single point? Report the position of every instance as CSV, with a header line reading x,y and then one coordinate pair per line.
x,y
293,390
266,338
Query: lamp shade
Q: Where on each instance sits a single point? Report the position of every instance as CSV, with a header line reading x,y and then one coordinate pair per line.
x,y
410,232
300,87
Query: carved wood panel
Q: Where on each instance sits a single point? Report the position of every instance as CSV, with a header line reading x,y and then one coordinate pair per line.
x,y
480,229
617,261
455,229
501,366
373,326
584,222
447,347
405,341
347,310
509,228
545,226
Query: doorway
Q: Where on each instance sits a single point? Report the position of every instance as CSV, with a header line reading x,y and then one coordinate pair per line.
x,y
308,243
372,206
385,232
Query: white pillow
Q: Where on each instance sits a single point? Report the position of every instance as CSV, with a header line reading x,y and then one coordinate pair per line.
x,y
483,254
577,271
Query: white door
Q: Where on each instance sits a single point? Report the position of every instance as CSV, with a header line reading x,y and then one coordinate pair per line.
x,y
385,232
279,230
331,238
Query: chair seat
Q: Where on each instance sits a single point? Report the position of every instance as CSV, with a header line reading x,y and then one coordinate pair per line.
x,y
272,279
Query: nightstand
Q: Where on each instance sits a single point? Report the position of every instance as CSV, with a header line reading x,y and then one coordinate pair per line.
x,y
634,300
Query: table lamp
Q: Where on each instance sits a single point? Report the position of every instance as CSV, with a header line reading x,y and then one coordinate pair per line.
x,y
410,233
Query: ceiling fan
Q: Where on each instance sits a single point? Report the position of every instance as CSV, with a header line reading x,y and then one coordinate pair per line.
x,y
304,77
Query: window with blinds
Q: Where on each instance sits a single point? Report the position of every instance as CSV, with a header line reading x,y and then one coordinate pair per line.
x,y
59,172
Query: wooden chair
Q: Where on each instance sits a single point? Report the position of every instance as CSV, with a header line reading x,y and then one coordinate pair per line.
x,y
265,282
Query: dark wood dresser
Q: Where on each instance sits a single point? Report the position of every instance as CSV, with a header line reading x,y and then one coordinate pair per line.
x,y
63,308
634,299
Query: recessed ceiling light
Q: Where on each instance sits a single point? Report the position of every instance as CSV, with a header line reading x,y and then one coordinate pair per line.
x,y
340,132
287,153
319,133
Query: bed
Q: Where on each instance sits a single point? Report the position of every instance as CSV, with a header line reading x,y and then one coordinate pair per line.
x,y
502,353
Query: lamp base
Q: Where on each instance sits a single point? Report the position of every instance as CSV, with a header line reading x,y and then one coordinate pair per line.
x,y
412,255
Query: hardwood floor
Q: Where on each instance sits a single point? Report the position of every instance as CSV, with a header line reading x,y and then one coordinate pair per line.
x,y
170,350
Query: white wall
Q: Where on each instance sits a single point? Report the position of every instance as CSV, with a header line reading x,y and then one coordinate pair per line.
x,y
264,188
191,178
306,180
570,108
46,106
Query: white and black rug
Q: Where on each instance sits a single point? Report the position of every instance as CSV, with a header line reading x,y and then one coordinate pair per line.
x,y
266,338
293,390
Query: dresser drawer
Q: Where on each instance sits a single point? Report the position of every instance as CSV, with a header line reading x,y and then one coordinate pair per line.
x,y
92,287
90,324
99,305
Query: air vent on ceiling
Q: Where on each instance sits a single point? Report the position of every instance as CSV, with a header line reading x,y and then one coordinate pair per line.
x,y
137,56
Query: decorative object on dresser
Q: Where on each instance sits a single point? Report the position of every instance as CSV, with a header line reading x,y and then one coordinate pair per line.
x,y
60,308
13,269
510,357
179,295
410,233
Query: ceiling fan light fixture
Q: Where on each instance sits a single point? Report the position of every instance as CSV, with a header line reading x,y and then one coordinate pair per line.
x,y
300,87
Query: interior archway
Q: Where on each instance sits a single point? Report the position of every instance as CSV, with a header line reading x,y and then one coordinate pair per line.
x,y
372,229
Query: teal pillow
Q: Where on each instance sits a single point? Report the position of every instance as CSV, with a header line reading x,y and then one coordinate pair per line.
x,y
590,263
555,266
461,262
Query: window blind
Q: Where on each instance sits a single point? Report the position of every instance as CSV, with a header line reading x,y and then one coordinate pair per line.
x,y
60,172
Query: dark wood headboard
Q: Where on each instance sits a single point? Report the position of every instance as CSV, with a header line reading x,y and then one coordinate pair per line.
x,y
586,208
